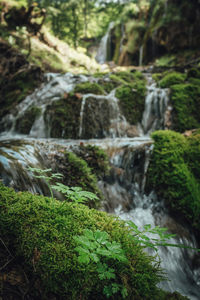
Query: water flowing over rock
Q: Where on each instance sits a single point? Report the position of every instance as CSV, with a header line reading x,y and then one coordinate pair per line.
x,y
56,87
157,108
104,50
99,116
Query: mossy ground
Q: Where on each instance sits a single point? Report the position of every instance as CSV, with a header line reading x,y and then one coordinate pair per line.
x,y
174,173
40,232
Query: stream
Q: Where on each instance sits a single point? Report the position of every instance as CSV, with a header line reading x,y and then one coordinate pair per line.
x,y
124,188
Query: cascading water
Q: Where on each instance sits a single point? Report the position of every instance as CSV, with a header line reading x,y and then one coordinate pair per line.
x,y
141,55
103,52
129,157
157,108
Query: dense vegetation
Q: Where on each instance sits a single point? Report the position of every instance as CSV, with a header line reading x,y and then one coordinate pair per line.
x,y
174,173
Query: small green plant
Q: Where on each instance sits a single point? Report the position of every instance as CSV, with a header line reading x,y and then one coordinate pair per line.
x,y
74,194
95,247
152,237
43,174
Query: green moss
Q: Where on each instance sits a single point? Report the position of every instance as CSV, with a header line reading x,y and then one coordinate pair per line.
x,y
89,87
186,103
117,79
77,172
40,231
171,79
173,173
157,77
131,100
63,116
108,85
25,122
96,158
166,61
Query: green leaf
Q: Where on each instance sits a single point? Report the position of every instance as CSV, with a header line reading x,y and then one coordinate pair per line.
x,y
147,226
115,288
94,257
101,236
82,251
124,293
104,252
89,234
83,259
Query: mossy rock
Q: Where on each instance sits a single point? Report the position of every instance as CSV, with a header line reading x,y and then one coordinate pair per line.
x,y
132,100
96,118
25,122
174,173
77,172
40,231
185,100
96,159
89,88
108,84
171,79
157,77
63,116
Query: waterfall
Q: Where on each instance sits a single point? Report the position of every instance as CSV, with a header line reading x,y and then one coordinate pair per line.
x,y
103,53
141,55
102,115
157,108
55,87
124,188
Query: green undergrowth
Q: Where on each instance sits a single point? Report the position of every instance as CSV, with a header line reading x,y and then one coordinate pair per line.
x,y
185,97
77,172
40,231
174,173
131,95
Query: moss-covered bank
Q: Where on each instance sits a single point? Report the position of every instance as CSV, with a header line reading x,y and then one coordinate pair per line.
x,y
40,231
185,97
174,173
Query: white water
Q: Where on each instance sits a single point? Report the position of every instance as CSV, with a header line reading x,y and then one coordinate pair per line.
x,y
141,55
104,47
53,90
157,108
